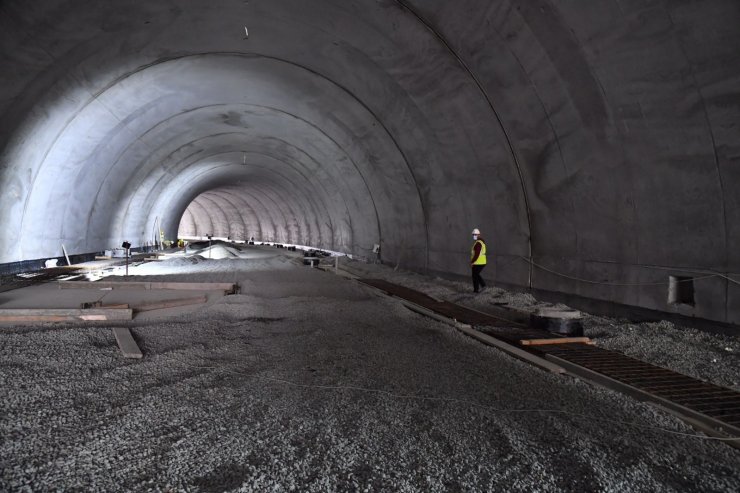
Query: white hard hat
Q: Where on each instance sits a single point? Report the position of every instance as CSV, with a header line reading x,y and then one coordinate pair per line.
x,y
476,231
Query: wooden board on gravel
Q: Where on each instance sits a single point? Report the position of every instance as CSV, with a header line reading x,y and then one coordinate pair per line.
x,y
34,315
192,286
126,343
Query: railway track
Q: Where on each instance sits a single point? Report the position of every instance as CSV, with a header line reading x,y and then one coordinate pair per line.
x,y
710,408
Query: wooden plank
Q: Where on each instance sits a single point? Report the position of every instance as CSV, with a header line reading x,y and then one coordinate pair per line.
x,y
99,304
107,285
86,305
197,286
34,319
126,343
555,340
159,305
194,286
63,314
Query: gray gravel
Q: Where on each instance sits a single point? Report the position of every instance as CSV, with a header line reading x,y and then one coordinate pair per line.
x,y
309,382
710,357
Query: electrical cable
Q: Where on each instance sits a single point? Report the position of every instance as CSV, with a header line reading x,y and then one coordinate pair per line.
x,y
660,283
734,281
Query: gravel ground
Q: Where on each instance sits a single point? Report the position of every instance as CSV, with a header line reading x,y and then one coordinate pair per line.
x,y
309,382
710,357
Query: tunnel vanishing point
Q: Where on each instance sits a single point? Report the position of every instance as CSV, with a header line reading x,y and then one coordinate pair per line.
x,y
596,144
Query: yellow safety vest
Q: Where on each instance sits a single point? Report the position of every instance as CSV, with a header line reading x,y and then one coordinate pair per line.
x,y
481,260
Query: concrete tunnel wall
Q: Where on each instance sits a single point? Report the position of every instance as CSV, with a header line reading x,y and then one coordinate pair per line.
x,y
599,139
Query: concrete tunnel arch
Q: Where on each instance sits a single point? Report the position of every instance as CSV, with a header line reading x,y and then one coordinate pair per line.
x,y
155,188
568,133
309,206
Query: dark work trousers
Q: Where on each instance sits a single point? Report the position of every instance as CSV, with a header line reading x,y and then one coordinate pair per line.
x,y
477,279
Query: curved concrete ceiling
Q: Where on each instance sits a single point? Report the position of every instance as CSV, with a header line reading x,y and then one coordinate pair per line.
x,y
599,139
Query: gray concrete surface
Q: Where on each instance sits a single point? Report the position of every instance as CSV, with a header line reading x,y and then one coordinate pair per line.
x,y
598,138
310,382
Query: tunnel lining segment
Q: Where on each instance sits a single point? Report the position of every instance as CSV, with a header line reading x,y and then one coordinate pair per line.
x,y
484,93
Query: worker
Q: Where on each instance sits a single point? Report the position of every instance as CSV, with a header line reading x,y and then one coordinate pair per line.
x,y
478,260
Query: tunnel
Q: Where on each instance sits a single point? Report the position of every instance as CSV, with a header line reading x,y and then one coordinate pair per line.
x,y
237,238
595,145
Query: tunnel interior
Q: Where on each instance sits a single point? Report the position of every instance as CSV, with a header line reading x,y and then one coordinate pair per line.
x,y
596,146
